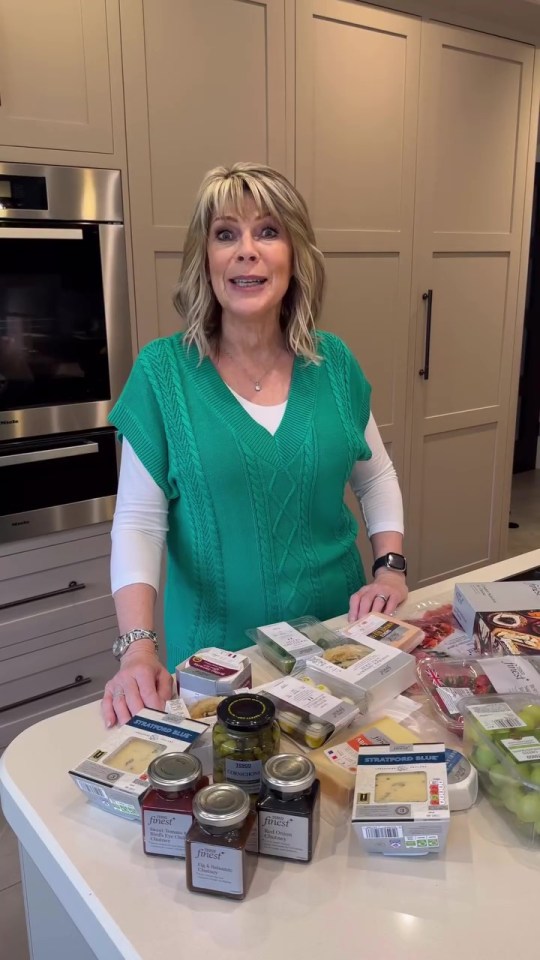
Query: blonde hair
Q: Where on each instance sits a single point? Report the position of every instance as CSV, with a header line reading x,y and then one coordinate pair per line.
x,y
224,190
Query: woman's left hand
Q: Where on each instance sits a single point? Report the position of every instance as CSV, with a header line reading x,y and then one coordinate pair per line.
x,y
384,595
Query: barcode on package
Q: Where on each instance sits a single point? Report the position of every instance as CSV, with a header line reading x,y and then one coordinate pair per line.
x,y
92,788
496,716
382,833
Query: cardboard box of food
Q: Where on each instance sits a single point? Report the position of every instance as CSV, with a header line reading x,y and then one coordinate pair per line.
x,y
503,618
401,799
114,776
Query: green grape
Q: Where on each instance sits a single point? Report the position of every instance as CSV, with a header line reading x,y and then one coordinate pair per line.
x,y
528,809
484,758
499,777
534,776
511,797
530,715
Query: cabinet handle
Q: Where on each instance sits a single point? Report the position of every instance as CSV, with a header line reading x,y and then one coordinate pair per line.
x,y
34,456
71,588
424,372
79,681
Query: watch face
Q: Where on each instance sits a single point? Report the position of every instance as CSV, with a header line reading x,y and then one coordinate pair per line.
x,y
118,647
396,562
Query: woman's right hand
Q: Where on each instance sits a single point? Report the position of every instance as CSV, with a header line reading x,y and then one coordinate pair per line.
x,y
141,681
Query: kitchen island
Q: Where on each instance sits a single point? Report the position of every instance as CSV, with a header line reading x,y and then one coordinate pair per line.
x,y
90,892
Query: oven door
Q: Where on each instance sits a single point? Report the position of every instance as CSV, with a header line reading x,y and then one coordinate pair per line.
x,y
56,483
65,342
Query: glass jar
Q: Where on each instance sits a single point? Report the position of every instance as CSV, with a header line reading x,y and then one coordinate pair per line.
x,y
288,809
216,857
245,736
167,807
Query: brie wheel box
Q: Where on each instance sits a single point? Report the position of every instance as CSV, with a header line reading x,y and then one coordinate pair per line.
x,y
502,618
212,672
360,662
401,805
114,776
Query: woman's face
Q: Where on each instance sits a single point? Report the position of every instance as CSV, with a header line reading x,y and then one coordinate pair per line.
x,y
250,263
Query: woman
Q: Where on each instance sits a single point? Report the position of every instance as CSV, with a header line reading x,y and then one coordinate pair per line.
x,y
239,438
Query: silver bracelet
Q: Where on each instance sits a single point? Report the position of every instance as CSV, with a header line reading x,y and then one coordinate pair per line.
x,y
122,643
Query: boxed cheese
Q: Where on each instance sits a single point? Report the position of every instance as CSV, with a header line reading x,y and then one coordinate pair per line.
x,y
386,629
212,672
380,670
114,776
336,765
503,618
289,642
401,799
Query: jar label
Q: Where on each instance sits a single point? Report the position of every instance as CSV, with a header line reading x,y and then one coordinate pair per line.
x,y
285,836
165,833
245,774
216,868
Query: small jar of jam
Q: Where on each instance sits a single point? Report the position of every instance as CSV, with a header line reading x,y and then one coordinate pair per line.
x,y
289,809
167,807
245,736
216,857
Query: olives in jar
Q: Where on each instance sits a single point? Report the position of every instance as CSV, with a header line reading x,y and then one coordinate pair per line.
x,y
245,736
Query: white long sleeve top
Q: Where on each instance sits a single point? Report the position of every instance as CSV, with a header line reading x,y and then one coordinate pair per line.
x,y
141,517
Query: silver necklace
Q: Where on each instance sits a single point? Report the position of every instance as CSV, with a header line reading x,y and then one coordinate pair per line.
x,y
257,384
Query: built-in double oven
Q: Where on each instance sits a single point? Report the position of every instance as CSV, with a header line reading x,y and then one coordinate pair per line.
x,y
65,345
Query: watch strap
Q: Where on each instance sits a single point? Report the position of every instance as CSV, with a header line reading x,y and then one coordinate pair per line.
x,y
386,561
123,642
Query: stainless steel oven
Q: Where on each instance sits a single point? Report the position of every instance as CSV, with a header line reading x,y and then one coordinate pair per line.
x,y
65,344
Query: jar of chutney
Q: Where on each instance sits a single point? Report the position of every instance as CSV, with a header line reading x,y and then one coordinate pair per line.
x,y
288,808
216,857
245,736
167,807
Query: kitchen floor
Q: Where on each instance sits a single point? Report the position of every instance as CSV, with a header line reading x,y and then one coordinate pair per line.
x,y
525,510
12,920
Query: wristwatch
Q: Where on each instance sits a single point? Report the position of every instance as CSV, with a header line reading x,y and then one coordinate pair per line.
x,y
122,643
392,561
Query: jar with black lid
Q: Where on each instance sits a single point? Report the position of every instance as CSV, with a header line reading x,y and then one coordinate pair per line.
x,y
288,808
245,736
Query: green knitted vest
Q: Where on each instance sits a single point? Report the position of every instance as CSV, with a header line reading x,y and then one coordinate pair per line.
x,y
258,530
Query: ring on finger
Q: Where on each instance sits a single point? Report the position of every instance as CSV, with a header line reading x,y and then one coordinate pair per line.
x,y
117,694
381,596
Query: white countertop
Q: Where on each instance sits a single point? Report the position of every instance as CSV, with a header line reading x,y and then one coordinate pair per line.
x,y
479,899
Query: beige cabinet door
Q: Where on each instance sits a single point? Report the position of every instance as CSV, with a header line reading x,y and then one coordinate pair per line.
x,y
204,85
54,75
475,104
357,75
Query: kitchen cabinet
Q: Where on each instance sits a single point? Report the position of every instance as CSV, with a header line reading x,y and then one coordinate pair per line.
x,y
55,84
204,84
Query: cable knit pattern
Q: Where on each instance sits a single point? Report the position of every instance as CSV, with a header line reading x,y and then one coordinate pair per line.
x,y
258,530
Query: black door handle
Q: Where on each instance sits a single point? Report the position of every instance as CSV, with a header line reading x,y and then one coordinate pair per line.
x,y
428,297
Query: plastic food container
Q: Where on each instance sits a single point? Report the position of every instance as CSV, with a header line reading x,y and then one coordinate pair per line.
x,y
501,736
386,629
447,681
305,673
212,672
289,641
306,714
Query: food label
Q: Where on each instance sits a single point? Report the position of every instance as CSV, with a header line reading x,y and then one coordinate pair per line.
x,y
385,631
382,833
495,716
368,656
288,638
165,833
451,696
318,704
281,835
244,773
512,675
524,750
220,663
346,754
216,868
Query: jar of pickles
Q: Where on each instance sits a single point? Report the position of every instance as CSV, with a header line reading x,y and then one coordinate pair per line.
x,y
245,736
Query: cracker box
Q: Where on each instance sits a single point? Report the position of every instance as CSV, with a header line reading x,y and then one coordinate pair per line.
x,y
503,618
401,799
114,776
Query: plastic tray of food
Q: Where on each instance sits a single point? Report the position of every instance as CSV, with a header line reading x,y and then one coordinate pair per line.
x,y
448,681
501,736
288,642
386,629
307,714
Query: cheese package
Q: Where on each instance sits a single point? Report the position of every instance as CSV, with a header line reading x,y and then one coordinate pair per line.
x,y
502,617
336,765
378,669
308,715
385,629
114,776
401,803
212,672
